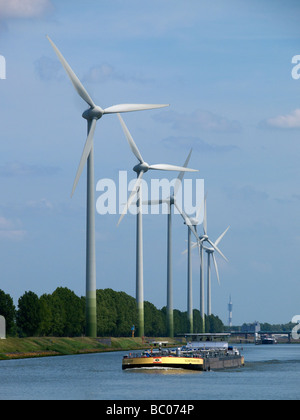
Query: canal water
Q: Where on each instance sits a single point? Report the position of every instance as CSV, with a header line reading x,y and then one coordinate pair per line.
x,y
271,372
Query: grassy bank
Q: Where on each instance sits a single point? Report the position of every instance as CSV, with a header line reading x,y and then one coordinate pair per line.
x,y
18,348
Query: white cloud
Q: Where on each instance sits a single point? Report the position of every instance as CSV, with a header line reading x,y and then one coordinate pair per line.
x,y
10,230
23,8
42,204
291,120
23,169
199,120
105,72
197,144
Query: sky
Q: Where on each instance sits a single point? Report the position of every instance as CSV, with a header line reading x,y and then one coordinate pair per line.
x,y
225,68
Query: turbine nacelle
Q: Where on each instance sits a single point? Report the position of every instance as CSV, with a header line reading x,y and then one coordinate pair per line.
x,y
209,250
193,221
93,113
143,166
172,200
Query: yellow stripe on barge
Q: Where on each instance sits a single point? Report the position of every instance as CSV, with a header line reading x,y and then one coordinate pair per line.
x,y
193,363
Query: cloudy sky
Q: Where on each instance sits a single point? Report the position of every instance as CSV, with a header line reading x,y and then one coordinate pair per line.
x,y
225,68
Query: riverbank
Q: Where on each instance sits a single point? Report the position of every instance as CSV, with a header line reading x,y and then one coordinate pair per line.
x,y
20,348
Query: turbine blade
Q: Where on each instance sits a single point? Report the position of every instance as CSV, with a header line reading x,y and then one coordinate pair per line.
x,y
181,175
166,167
74,79
156,202
132,195
187,220
85,154
221,237
216,268
131,107
200,208
217,249
199,252
130,140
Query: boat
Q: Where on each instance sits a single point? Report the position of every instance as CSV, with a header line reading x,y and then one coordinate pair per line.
x,y
268,340
203,352
265,339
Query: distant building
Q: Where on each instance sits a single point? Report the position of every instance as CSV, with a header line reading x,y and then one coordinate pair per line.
x,y
251,328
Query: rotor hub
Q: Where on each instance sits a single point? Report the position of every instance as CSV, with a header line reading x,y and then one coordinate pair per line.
x,y
93,113
141,167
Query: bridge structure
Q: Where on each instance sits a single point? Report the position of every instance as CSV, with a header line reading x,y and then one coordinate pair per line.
x,y
259,334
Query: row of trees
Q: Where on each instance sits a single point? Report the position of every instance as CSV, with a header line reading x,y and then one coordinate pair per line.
x,y
62,314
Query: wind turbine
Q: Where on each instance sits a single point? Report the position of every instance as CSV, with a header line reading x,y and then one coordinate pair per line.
x,y
170,201
200,239
92,115
210,251
193,221
141,168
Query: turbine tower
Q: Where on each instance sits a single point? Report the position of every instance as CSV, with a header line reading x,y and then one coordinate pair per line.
x,y
170,201
230,307
140,169
92,115
210,253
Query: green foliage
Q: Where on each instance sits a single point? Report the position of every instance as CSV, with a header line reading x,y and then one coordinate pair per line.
x,y
62,314
213,324
155,321
28,314
116,313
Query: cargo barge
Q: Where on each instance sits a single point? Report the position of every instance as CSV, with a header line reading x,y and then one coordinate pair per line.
x,y
202,353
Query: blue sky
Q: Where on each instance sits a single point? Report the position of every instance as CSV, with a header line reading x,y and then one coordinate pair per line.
x,y
225,69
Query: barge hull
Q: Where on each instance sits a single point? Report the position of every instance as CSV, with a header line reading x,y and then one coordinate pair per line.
x,y
201,364
223,362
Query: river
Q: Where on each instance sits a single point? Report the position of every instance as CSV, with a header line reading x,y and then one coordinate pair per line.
x,y
270,372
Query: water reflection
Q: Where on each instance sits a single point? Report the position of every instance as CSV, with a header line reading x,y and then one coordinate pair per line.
x,y
163,371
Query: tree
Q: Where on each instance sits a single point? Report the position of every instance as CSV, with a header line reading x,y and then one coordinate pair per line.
x,y
28,314
213,324
198,324
8,310
62,314
116,313
46,324
154,321
70,309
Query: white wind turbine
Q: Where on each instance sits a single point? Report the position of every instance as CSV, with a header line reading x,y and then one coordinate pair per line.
x,y
210,253
92,115
140,169
194,222
204,238
170,201
200,239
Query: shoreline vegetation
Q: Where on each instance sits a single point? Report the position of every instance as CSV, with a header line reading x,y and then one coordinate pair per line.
x,y
21,348
32,347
